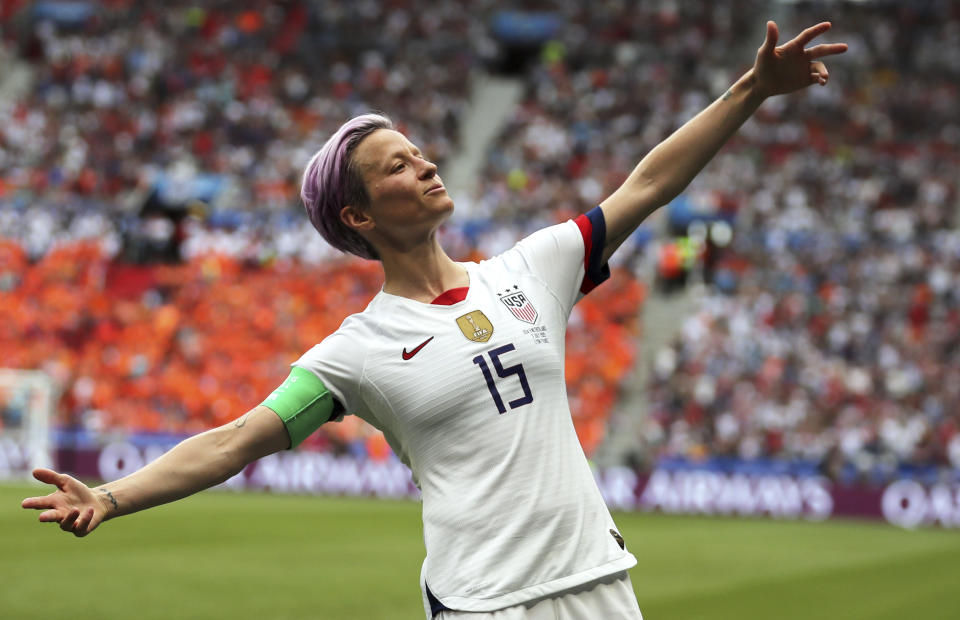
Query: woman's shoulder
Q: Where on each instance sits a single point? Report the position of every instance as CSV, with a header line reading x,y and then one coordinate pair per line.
x,y
360,327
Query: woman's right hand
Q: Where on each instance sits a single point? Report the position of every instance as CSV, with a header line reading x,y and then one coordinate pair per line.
x,y
74,505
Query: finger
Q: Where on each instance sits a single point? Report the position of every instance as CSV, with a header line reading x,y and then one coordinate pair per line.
x,y
50,516
825,49
67,523
770,43
80,525
811,33
819,68
38,503
49,476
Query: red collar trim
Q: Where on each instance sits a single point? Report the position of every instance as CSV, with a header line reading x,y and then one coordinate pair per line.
x,y
454,295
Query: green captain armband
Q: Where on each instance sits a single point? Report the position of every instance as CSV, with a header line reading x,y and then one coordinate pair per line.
x,y
303,402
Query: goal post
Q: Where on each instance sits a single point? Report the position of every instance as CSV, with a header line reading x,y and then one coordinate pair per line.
x,y
27,401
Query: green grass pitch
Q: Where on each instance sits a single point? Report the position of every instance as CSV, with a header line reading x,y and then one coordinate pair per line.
x,y
228,555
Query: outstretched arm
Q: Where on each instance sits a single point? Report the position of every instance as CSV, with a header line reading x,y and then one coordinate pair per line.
x,y
672,164
194,464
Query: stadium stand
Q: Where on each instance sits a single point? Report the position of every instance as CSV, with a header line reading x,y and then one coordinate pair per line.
x,y
830,331
210,103
829,334
181,348
175,134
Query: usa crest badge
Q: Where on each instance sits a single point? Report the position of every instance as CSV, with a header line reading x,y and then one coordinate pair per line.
x,y
519,305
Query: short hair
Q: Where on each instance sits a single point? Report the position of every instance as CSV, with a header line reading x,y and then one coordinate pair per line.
x,y
332,181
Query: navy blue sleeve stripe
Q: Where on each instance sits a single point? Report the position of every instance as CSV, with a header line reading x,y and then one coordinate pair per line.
x,y
596,270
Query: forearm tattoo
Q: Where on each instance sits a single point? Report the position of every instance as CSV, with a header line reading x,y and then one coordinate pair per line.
x,y
241,421
727,94
113,500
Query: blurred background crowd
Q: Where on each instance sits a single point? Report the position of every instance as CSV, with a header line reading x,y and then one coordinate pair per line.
x,y
156,261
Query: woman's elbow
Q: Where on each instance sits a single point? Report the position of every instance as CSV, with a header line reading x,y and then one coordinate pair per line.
x,y
231,454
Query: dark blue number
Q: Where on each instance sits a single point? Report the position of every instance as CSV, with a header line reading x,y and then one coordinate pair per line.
x,y
516,369
503,373
482,363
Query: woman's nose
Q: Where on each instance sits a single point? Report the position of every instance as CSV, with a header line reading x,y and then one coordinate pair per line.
x,y
428,169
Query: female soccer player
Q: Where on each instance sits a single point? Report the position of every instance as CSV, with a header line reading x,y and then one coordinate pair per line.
x,y
461,366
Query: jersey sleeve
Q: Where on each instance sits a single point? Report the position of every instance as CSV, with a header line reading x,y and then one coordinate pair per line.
x,y
567,256
338,362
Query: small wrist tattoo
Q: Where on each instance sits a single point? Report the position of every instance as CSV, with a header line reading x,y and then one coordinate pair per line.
x,y
241,421
113,500
727,94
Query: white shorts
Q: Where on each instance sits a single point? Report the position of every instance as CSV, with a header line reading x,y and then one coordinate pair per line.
x,y
611,598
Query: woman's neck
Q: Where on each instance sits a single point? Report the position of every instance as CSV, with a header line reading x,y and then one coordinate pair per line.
x,y
422,274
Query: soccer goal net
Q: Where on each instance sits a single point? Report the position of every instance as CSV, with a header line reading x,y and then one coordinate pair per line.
x,y
27,400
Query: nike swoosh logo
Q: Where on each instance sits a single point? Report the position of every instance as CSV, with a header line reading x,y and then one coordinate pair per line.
x,y
408,355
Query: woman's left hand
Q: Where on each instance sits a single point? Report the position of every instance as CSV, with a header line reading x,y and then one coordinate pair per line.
x,y
790,67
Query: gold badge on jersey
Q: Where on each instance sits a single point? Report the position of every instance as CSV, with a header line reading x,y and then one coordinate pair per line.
x,y
476,326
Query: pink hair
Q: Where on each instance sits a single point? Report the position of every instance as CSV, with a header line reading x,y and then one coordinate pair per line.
x,y
331,182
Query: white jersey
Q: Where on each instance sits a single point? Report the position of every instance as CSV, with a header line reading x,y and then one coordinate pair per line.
x,y
471,396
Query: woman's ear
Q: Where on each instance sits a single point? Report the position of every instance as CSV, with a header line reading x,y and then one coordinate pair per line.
x,y
356,218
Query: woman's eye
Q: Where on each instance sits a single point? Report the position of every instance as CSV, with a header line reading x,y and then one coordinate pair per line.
x,y
398,168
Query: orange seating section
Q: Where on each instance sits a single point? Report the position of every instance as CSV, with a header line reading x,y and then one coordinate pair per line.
x,y
182,348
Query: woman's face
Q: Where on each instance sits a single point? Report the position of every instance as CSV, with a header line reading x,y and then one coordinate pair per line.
x,y
408,201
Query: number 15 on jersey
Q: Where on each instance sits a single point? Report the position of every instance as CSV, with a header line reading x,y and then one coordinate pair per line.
x,y
504,373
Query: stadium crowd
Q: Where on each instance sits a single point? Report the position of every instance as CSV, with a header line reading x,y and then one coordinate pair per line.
x,y
209,111
213,102
830,331
181,348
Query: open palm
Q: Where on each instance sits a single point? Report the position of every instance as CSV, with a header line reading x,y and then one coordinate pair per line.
x,y
790,67
73,505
